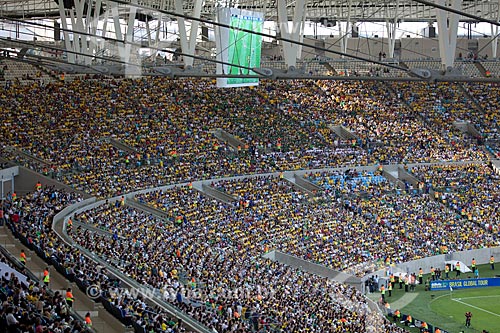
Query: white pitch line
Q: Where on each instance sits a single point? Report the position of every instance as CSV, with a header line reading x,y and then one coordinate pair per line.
x,y
477,308
472,297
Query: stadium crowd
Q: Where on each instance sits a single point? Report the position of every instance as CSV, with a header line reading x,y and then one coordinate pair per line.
x,y
363,218
281,125
474,197
26,304
35,212
70,130
373,113
221,281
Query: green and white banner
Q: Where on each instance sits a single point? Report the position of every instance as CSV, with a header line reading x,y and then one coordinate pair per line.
x,y
238,48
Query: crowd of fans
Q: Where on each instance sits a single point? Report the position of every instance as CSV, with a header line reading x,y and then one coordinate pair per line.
x,y
27,304
486,121
390,132
416,226
68,131
440,105
475,196
217,277
358,221
34,225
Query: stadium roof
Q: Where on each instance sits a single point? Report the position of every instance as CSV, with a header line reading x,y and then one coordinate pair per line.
x,y
84,20
342,10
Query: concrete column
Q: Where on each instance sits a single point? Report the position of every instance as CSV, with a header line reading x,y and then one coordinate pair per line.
x,y
125,40
494,41
301,37
92,23
391,30
158,29
188,45
116,20
447,28
391,37
494,34
390,25
67,41
82,23
291,50
100,46
345,37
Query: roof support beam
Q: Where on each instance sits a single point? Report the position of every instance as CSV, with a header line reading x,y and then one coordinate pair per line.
x,y
291,50
348,25
188,45
448,27
67,42
494,34
391,29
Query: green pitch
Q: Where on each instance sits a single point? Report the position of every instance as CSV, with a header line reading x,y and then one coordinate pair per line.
x,y
447,309
483,303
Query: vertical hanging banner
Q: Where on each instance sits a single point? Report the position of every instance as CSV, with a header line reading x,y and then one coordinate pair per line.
x,y
236,47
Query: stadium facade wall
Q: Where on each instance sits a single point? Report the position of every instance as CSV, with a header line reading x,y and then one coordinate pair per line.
x,y
482,256
411,48
25,182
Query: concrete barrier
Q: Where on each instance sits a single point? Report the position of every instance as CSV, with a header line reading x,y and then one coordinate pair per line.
x,y
311,187
121,146
230,139
148,209
482,256
404,175
316,269
27,179
217,194
343,132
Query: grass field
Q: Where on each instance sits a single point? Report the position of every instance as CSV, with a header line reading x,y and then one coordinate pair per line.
x,y
483,303
446,309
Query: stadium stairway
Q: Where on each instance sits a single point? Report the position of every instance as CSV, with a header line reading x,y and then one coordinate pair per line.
x,y
230,139
329,67
481,68
217,194
388,86
48,72
470,97
19,152
102,321
343,132
121,146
